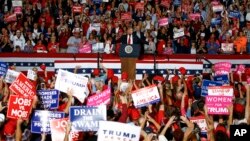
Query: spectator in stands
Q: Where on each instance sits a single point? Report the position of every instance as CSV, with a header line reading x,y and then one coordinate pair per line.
x,y
53,46
18,40
64,35
212,45
5,44
40,47
28,48
240,43
73,41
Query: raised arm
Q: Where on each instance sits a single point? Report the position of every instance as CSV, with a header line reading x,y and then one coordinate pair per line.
x,y
70,97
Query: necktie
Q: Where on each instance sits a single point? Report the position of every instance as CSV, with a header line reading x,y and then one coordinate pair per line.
x,y
129,39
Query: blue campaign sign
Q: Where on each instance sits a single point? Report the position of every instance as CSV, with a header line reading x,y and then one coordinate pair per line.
x,y
215,21
86,118
223,79
40,122
234,14
49,98
97,1
3,68
205,84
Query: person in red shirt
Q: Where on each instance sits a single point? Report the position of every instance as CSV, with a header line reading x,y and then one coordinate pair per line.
x,y
63,38
53,46
40,47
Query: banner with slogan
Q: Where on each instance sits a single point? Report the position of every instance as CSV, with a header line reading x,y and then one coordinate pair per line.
x,y
115,131
19,107
139,6
97,1
222,68
58,131
99,98
11,76
10,18
179,33
49,98
31,75
23,86
201,122
206,84
66,80
3,68
145,96
85,48
126,16
86,118
165,3
227,47
18,10
77,9
40,122
17,3
217,8
223,79
215,21
163,21
217,105
220,91
194,16
234,14
95,26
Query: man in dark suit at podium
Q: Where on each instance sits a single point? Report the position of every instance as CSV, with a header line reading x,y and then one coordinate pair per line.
x,y
130,38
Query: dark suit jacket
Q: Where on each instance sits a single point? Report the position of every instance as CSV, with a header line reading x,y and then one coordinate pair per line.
x,y
136,40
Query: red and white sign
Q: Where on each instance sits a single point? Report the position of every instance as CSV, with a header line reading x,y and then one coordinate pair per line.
x,y
126,16
145,96
18,10
220,91
179,33
217,8
194,16
217,105
200,121
163,22
100,98
227,47
139,6
23,86
77,9
10,18
222,68
19,107
17,3
165,3
58,127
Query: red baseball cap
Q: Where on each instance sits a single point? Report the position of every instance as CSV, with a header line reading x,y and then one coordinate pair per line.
x,y
124,76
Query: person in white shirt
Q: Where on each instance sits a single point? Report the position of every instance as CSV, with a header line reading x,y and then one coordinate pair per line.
x,y
18,40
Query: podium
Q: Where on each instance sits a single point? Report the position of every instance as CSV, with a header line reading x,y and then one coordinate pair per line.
x,y
128,56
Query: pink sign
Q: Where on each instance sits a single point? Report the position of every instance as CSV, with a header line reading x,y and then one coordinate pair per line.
x,y
85,48
195,16
18,10
200,121
217,105
222,68
248,80
240,69
98,99
217,8
163,22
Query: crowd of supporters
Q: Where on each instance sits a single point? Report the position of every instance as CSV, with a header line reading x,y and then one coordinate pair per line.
x,y
67,26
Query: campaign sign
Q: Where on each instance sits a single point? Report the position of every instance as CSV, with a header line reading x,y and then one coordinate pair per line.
x,y
66,80
145,96
18,10
215,21
223,79
3,68
10,18
163,22
95,26
222,68
49,98
165,3
217,8
139,6
201,122
217,105
40,122
115,131
100,98
77,9
23,86
205,84
234,14
126,16
220,91
58,130
31,75
19,107
194,16
86,118
17,3
85,48
11,76
227,47
179,33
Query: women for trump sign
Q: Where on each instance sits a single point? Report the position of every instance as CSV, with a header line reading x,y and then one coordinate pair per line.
x,y
221,68
145,96
99,98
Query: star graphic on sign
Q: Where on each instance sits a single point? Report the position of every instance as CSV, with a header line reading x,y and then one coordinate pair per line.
x,y
206,66
14,64
162,71
197,72
83,70
153,71
92,70
119,71
36,64
143,71
21,64
188,72
50,64
170,71
8,64
28,64
101,71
